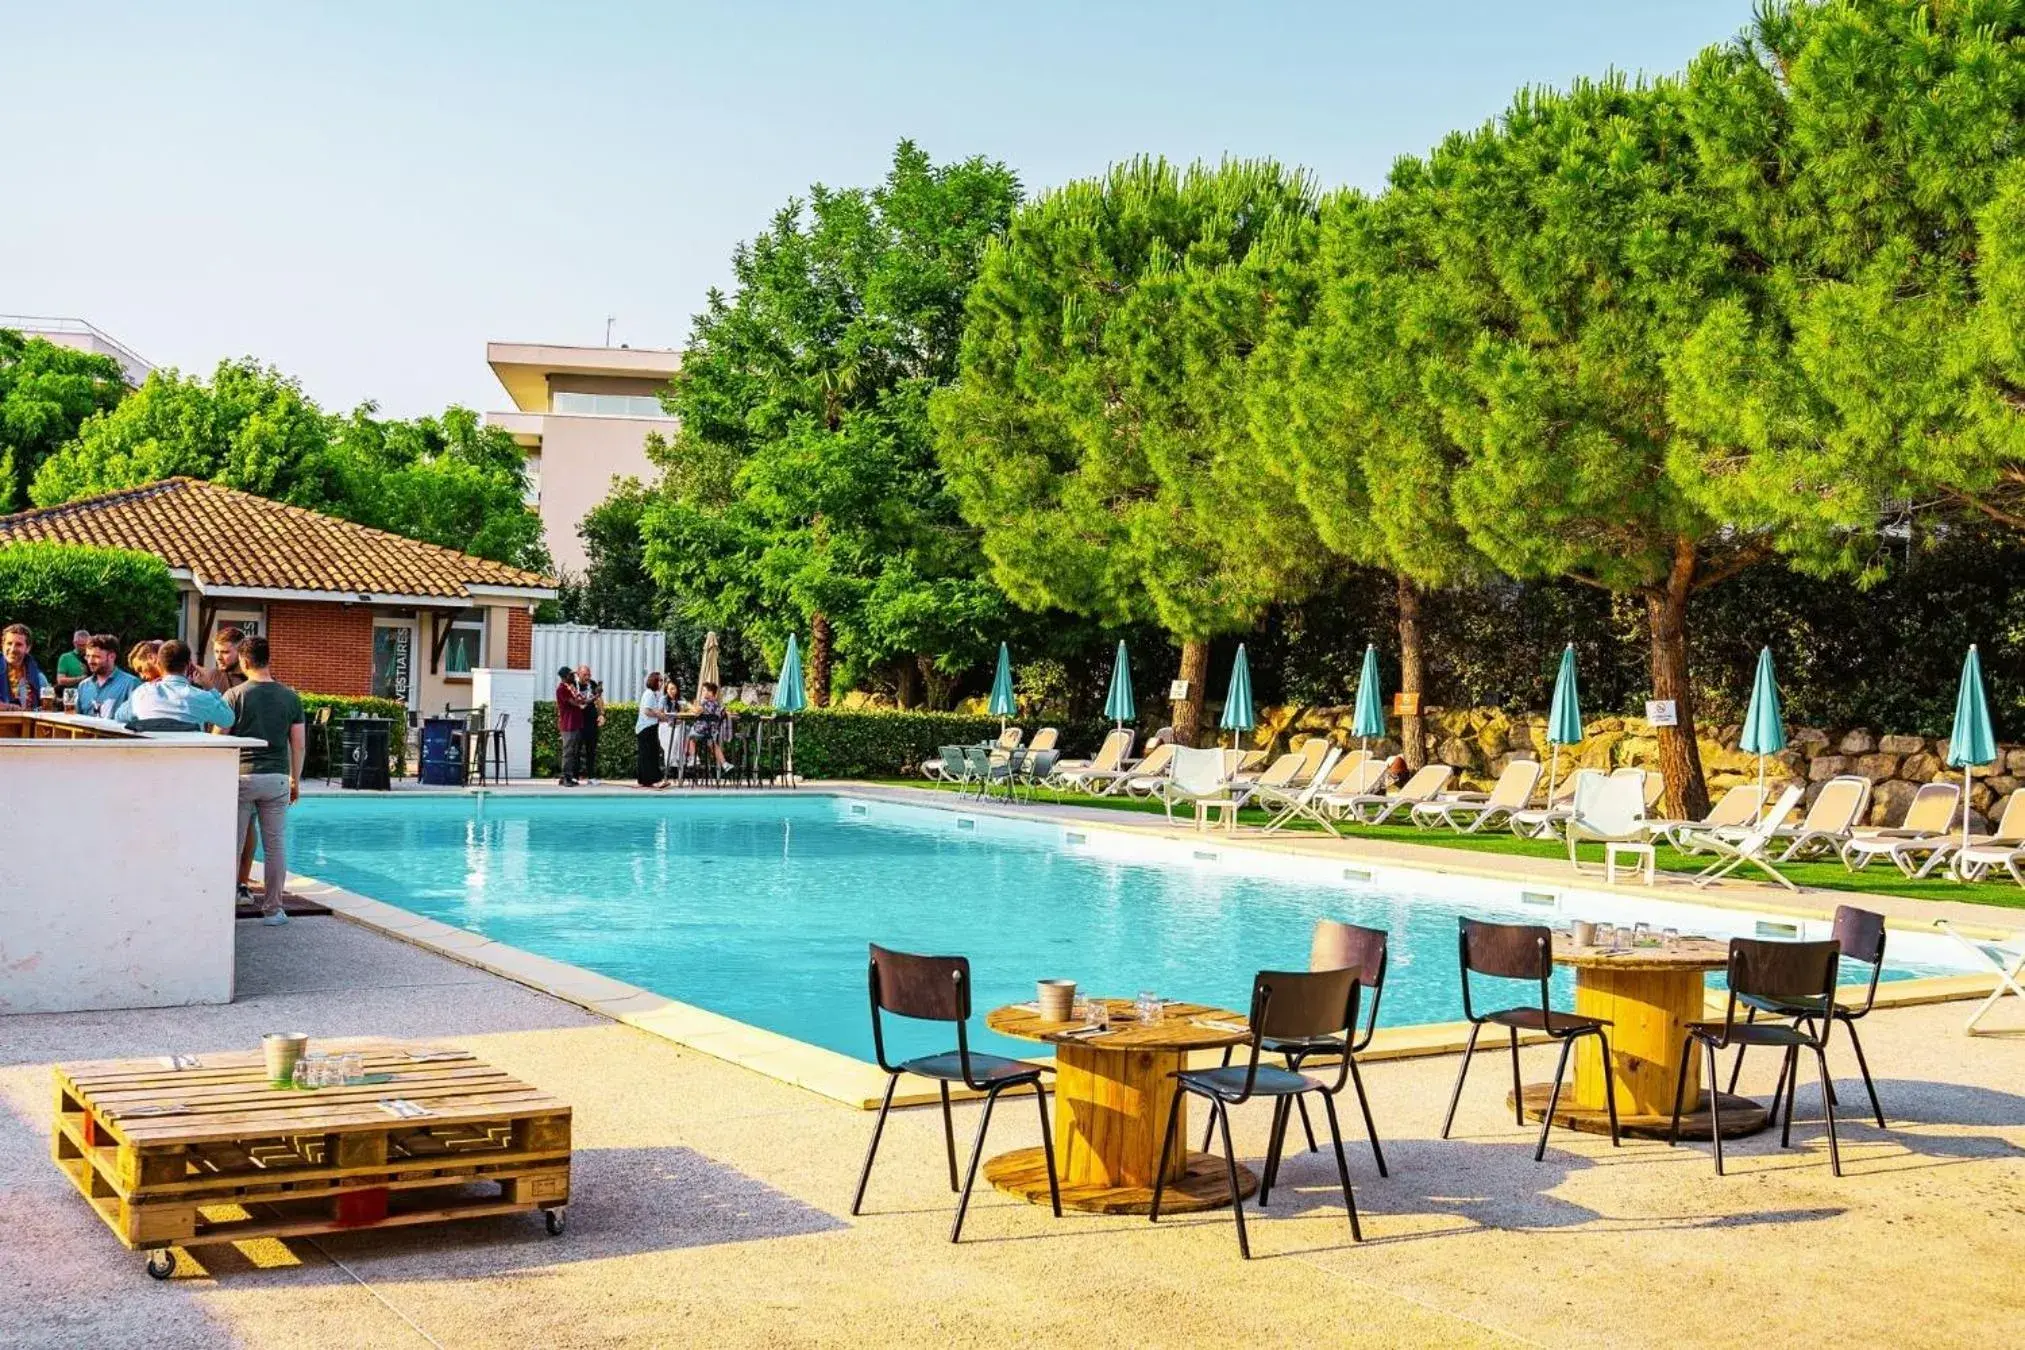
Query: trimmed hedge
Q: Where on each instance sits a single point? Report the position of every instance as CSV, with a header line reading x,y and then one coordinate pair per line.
x,y
57,589
829,743
341,708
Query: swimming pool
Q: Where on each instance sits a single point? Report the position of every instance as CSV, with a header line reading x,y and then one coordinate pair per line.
x,y
759,907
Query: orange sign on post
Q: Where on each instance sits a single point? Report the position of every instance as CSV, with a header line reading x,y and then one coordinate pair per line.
x,y
1405,704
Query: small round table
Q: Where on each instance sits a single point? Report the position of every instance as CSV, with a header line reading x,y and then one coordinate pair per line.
x,y
1112,1096
1648,995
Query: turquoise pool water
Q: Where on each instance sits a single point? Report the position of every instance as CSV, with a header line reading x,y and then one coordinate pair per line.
x,y
759,907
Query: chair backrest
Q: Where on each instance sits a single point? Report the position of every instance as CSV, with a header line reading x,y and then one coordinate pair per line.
x,y
953,760
1157,761
976,761
1859,934
1111,754
1346,768
500,725
1837,807
2011,825
1506,951
1932,808
1762,831
1313,751
1200,773
1347,946
1514,787
1782,970
1364,778
925,988
1039,763
1741,805
1426,782
322,718
1045,739
1303,1005
1163,736
1282,770
1009,738
1318,782
1610,806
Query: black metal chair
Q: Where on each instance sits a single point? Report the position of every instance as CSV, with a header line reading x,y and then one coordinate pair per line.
x,y
1515,951
1336,946
1860,935
1786,972
1287,1006
937,989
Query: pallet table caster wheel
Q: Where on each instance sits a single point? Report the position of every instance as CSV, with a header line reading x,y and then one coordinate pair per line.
x,y
556,1221
161,1264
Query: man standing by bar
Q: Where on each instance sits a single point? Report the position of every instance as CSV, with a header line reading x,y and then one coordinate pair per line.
x,y
270,777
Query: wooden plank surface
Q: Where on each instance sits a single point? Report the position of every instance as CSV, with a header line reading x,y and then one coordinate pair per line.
x,y
1179,1028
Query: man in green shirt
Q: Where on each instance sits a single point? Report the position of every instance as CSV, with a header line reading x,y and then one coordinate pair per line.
x,y
71,667
270,776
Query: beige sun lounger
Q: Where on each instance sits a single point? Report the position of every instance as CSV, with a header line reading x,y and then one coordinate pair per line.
x,y
1537,822
1476,811
1109,760
1044,739
1925,829
1292,804
1829,822
1374,808
1148,773
2005,848
1739,807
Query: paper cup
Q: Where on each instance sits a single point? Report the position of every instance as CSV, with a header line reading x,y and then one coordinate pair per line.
x,y
1584,933
1057,999
283,1049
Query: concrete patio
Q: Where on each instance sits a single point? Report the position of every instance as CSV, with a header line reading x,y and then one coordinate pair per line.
x,y
711,1206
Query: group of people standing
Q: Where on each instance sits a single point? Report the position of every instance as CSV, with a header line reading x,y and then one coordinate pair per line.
x,y
580,714
163,690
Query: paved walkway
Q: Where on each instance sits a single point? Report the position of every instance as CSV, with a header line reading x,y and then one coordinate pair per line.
x,y
712,1208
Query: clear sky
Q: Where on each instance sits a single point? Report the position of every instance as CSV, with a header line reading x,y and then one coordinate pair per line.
x,y
363,193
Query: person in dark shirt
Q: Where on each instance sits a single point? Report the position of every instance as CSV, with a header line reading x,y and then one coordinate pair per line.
x,y
569,722
593,695
270,775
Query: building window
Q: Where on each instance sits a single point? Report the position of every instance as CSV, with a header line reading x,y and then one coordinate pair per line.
x,y
394,660
464,649
605,405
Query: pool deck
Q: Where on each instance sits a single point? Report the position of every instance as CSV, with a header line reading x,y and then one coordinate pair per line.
x,y
711,1207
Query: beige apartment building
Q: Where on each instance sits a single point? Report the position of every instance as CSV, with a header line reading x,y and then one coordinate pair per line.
x,y
583,414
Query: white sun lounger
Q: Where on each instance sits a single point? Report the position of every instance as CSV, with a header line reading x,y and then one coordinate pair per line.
x,y
1374,808
1607,811
1537,822
1925,829
2005,958
1752,848
1740,806
1200,779
1292,804
1148,773
1469,814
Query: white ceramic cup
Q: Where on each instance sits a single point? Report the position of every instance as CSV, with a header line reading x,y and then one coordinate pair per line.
x,y
1584,933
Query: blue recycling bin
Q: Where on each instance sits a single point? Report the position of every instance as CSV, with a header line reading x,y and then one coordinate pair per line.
x,y
442,752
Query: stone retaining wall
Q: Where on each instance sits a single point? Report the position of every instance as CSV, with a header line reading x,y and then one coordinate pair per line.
x,y
1481,741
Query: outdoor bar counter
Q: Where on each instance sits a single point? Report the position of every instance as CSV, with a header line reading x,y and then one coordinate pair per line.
x,y
116,865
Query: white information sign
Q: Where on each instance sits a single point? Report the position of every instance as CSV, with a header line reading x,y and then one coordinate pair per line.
x,y
1662,712
1177,691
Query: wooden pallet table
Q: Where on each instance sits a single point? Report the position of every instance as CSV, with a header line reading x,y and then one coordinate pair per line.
x,y
213,1153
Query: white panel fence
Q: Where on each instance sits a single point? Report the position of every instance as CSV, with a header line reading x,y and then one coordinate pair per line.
x,y
619,658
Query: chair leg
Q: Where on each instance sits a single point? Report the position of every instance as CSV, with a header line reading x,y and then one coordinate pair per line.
x,y
1166,1152
1518,1091
1364,1105
1779,1089
1342,1167
878,1128
1716,1109
1787,1071
976,1154
1048,1148
1461,1072
1680,1090
1863,1066
1237,1204
1275,1142
949,1139
1553,1098
1736,1069
1209,1126
1294,1061
1828,1109
1609,1087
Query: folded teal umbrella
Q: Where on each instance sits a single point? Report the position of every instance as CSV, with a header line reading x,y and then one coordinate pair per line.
x,y
1369,719
1972,741
1764,721
1564,715
1238,714
1118,703
1002,705
789,696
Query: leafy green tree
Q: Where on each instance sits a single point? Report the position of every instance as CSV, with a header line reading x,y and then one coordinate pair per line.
x,y
1865,156
801,492
46,393
446,480
1099,436
57,589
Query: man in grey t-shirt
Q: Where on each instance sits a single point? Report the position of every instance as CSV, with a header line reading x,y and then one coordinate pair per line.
x,y
270,776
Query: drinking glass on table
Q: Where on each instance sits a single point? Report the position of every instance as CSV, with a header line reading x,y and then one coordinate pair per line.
x,y
354,1067
1100,1014
1606,936
1148,1006
1641,933
1670,937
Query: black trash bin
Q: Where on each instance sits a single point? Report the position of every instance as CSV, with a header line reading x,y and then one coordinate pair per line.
x,y
366,742
442,751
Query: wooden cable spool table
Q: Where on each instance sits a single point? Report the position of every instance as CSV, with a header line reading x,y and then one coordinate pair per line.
x,y
1112,1096
1648,995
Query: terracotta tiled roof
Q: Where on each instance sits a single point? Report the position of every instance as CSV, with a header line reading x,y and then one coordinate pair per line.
x,y
228,538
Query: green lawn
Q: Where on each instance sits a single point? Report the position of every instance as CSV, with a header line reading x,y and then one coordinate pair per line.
x,y
1879,878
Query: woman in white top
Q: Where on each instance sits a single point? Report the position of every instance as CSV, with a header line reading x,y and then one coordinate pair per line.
x,y
647,732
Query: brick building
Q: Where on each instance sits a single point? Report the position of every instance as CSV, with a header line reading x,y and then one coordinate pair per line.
x,y
348,609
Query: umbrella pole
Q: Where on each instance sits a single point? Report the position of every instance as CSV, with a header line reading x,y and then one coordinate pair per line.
x,y
1554,773
1761,782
